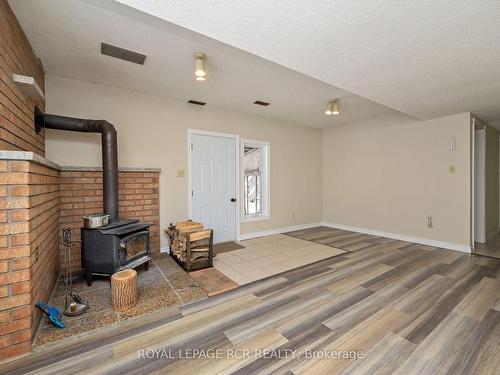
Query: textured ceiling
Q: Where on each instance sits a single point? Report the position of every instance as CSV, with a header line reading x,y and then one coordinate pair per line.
x,y
66,35
424,58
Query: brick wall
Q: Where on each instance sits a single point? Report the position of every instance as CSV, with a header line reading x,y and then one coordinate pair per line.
x,y
81,194
29,216
28,197
16,111
37,201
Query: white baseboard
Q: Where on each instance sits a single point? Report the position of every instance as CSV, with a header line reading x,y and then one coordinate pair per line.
x,y
402,237
395,236
270,232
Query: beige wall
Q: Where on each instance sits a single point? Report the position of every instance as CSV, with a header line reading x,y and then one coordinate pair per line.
x,y
152,132
388,173
492,181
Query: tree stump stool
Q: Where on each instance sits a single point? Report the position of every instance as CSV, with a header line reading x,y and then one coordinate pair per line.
x,y
124,293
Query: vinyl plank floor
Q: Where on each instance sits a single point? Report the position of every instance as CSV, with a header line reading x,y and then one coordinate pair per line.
x,y
403,308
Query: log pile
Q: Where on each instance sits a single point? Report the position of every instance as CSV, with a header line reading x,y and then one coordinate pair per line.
x,y
191,245
182,230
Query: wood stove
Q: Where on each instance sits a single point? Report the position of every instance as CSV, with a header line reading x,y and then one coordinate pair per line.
x,y
114,247
122,243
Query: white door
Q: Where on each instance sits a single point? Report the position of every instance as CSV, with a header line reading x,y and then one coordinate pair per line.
x,y
480,185
213,183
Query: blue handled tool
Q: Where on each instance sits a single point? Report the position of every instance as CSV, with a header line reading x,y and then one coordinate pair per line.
x,y
52,312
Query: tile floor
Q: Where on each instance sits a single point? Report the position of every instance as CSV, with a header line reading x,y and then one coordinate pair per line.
x,y
266,256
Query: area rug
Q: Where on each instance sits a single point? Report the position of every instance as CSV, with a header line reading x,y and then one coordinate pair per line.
x,y
224,247
212,281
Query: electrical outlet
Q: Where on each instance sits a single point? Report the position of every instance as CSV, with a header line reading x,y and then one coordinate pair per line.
x,y
180,173
452,169
293,215
429,221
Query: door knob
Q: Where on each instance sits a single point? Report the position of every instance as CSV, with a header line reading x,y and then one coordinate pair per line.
x,y
233,200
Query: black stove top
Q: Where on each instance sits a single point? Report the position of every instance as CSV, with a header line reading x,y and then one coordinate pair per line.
x,y
123,227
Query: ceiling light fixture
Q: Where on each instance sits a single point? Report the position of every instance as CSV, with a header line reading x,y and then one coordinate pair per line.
x,y
333,108
200,72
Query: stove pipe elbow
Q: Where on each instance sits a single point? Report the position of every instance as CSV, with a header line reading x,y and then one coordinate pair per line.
x,y
109,151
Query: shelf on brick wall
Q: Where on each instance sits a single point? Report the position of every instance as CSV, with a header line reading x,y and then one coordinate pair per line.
x,y
120,169
31,156
27,156
28,86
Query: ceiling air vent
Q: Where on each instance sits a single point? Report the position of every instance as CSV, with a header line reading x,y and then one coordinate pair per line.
x,y
122,54
196,102
259,102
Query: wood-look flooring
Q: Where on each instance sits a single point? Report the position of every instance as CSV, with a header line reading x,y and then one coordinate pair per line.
x,y
342,239
408,308
490,248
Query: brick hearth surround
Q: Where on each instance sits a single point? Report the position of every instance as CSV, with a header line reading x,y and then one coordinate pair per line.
x,y
37,198
36,202
29,205
81,194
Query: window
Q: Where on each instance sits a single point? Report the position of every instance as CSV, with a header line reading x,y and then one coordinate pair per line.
x,y
255,180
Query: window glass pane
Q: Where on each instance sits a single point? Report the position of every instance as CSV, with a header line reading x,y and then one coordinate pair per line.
x,y
253,174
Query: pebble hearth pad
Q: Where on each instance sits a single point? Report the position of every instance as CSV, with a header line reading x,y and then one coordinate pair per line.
x,y
165,284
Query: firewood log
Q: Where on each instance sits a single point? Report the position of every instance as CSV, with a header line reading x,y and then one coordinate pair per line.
x,y
124,293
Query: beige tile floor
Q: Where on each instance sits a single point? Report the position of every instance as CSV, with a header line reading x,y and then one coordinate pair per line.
x,y
266,256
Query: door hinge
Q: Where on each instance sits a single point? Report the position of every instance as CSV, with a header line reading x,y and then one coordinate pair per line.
x,y
192,194
191,147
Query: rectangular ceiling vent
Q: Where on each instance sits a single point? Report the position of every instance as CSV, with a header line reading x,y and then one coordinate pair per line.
x,y
122,54
259,102
196,102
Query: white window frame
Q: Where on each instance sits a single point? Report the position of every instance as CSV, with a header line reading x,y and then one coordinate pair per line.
x,y
266,187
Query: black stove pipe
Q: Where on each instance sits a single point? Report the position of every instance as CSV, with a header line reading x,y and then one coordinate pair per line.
x,y
109,151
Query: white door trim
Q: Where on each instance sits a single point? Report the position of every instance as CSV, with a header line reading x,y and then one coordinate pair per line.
x,y
480,185
473,185
236,137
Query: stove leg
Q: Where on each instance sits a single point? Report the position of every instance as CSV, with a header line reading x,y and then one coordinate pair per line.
x,y
89,278
146,266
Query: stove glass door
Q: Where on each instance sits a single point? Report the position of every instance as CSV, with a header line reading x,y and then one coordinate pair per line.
x,y
134,245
